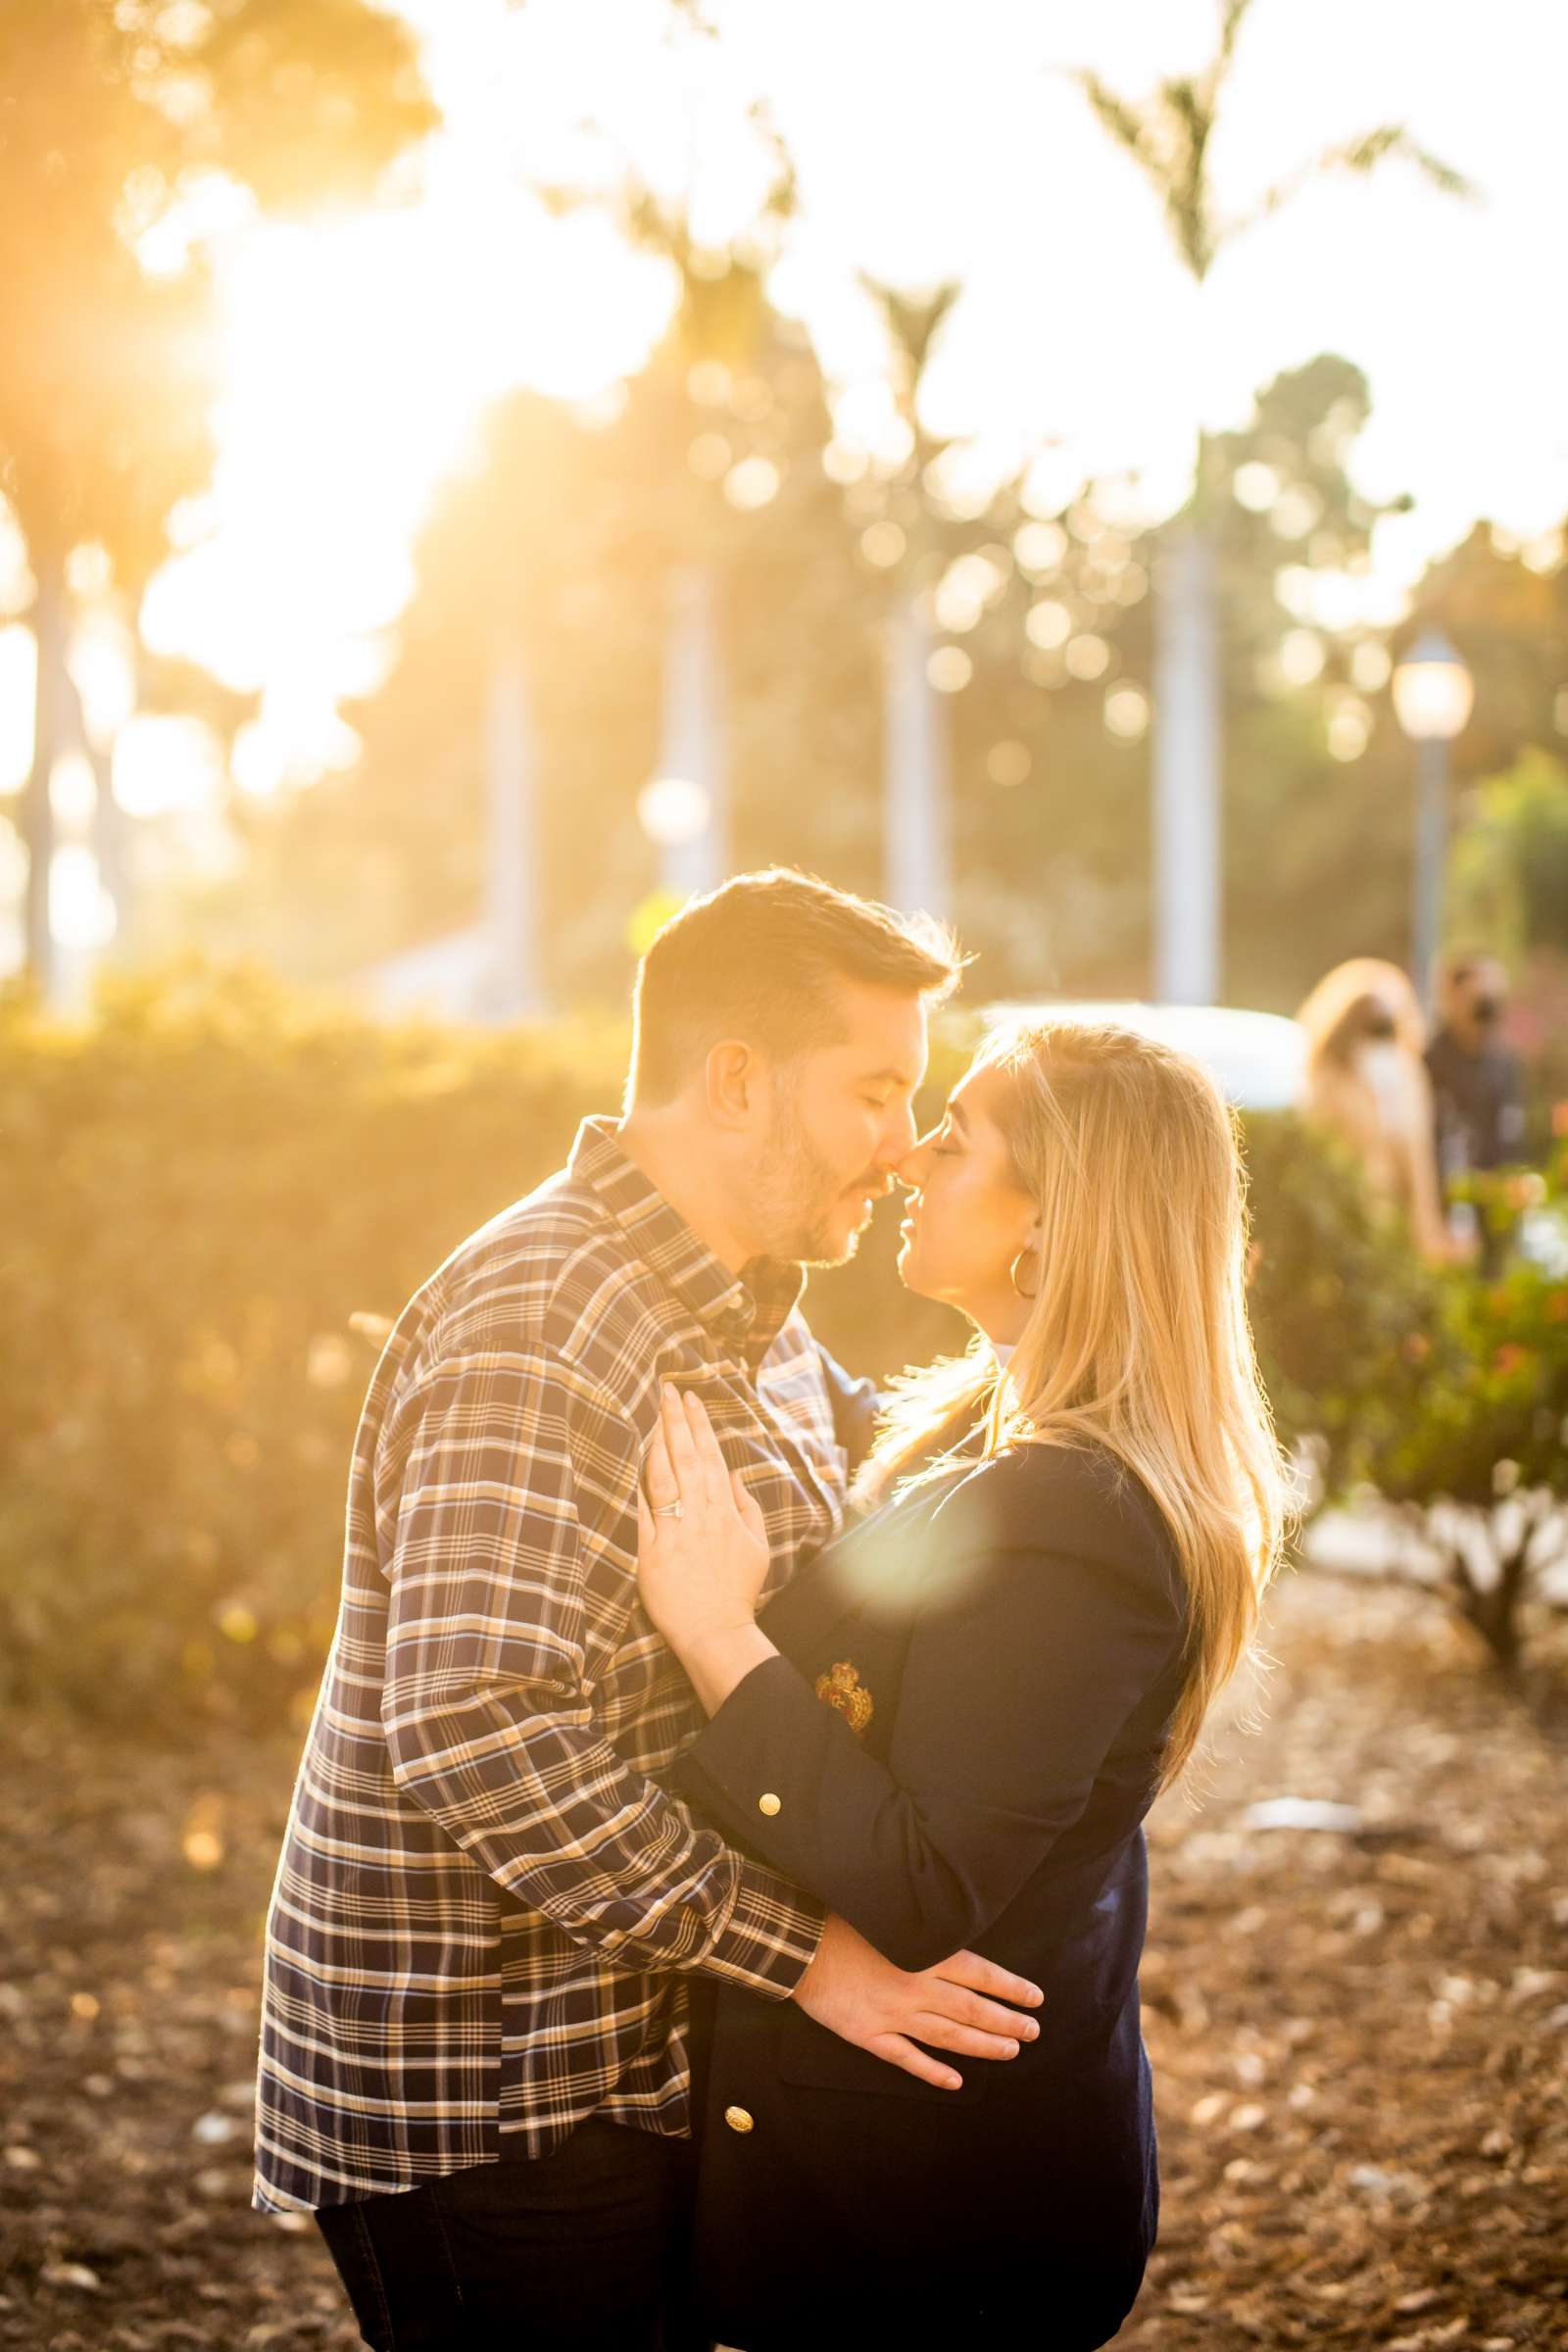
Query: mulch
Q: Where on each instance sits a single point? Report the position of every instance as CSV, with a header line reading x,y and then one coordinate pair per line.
x,y
1359,2037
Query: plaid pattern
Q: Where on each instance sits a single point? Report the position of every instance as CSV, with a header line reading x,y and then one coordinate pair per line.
x,y
485,1900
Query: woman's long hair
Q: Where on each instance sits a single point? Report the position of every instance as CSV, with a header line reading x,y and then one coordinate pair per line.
x,y
1137,1338
1326,1014
1380,1111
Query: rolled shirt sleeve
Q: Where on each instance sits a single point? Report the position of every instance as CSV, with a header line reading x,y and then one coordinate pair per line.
x,y
517,1483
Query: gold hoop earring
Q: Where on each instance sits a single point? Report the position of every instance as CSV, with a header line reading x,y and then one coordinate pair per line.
x,y
1012,1274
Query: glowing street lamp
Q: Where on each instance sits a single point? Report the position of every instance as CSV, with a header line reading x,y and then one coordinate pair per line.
x,y
1433,694
673,812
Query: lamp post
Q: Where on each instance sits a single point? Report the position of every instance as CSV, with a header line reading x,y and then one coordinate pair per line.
x,y
1434,695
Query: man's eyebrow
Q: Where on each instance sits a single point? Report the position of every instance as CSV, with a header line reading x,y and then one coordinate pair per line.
x,y
887,1078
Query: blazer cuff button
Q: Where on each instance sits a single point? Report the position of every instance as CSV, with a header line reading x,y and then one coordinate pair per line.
x,y
770,1805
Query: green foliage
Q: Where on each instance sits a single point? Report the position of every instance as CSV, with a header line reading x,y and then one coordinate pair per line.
x,y
1169,136
113,111
1475,1452
203,1190
1508,881
1445,1394
1341,1307
216,1194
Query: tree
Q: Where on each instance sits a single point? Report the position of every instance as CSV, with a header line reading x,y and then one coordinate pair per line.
x,y
1168,136
113,112
561,543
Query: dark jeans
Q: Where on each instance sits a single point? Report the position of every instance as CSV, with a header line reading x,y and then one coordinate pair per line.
x,y
584,2248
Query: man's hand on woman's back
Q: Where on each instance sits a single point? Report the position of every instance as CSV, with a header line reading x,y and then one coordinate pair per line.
x,y
965,2004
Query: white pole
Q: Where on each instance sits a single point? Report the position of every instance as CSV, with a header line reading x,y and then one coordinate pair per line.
x,y
1186,772
917,850
692,737
511,876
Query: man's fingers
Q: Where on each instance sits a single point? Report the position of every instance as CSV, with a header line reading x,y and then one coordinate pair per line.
x,y
962,2008
985,1976
894,2050
966,2041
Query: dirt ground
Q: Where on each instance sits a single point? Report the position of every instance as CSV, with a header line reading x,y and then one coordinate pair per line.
x,y
1359,2037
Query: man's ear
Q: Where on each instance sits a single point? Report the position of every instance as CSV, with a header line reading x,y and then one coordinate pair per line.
x,y
732,1078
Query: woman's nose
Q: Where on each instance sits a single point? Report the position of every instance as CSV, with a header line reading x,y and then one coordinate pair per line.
x,y
912,1169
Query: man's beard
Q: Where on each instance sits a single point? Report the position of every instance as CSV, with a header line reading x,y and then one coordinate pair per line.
x,y
797,1194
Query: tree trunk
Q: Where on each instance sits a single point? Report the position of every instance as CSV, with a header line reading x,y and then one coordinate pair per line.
x,y
50,623
918,788
512,882
692,738
1493,1610
1186,772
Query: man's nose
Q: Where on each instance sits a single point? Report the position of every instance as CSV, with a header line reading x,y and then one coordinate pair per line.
x,y
897,1138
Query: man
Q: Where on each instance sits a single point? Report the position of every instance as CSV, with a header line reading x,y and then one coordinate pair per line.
x,y
487,1907
1477,1091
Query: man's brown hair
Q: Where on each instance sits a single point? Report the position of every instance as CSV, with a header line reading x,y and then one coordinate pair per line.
x,y
759,960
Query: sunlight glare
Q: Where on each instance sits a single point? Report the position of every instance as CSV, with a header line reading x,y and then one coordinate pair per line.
x,y
18,688
164,764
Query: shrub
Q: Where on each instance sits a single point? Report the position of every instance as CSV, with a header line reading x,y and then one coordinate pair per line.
x,y
1475,1455
1340,1304
214,1190
204,1189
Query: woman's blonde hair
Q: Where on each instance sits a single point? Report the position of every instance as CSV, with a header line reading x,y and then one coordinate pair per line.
x,y
1137,1338
1387,1126
1345,989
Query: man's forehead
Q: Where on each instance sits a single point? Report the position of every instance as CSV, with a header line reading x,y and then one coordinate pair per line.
x,y
883,1034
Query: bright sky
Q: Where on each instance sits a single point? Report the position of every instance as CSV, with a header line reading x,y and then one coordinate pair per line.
x,y
933,139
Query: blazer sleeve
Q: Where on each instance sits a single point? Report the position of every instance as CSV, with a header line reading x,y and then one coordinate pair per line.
x,y
1014,1689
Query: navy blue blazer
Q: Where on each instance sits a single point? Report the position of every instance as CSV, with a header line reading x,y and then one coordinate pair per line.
x,y
957,1747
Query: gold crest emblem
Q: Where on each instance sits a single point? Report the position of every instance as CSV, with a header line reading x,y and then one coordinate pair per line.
x,y
842,1687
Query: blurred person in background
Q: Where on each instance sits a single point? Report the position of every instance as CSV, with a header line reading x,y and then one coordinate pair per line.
x,y
950,1723
1366,1084
1478,1097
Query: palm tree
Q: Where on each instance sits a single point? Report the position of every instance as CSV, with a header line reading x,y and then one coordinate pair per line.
x,y
109,108
917,751
1168,136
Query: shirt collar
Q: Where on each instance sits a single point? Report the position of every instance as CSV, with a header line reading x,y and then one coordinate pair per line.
x,y
747,1312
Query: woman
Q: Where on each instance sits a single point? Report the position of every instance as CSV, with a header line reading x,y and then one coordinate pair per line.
x,y
1366,1084
951,1725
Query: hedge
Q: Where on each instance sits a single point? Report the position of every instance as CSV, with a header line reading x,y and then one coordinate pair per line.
x,y
213,1185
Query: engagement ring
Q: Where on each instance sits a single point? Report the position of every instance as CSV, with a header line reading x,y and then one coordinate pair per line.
x,y
670,1510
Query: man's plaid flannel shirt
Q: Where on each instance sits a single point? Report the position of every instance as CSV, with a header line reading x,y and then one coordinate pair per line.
x,y
485,1900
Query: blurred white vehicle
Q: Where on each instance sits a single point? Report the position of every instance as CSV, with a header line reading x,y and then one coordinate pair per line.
x,y
1259,1059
